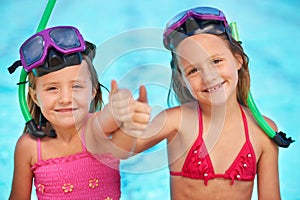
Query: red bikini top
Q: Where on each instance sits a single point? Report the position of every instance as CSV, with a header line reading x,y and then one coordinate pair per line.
x,y
198,164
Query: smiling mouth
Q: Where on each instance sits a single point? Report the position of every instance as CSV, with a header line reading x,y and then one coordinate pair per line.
x,y
65,110
215,87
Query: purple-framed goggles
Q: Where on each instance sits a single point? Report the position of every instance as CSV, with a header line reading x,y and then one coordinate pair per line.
x,y
195,21
64,39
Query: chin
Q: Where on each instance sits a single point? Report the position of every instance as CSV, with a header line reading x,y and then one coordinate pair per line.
x,y
215,99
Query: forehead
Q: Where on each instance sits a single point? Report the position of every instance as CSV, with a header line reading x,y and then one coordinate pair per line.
x,y
71,73
201,46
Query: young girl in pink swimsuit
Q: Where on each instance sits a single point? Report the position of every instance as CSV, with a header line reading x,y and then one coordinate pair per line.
x,y
215,147
64,98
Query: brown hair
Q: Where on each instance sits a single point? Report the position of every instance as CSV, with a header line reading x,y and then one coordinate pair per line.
x,y
183,95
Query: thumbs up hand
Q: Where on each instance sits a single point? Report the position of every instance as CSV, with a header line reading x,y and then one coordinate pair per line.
x,y
131,115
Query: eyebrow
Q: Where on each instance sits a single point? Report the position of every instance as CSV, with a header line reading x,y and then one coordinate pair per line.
x,y
57,82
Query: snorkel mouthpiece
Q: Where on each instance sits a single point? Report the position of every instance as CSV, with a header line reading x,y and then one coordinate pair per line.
x,y
281,140
36,132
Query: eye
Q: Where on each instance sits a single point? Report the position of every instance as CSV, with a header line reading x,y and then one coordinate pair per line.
x,y
77,86
216,61
51,88
192,71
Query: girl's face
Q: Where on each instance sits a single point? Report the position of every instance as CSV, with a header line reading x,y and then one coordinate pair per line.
x,y
64,96
209,69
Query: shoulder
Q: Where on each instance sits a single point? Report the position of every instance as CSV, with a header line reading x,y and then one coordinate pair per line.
x,y
26,147
177,114
261,141
268,142
181,118
25,141
271,123
184,108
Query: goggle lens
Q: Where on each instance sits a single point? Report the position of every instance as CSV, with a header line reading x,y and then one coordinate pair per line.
x,y
33,50
201,11
65,38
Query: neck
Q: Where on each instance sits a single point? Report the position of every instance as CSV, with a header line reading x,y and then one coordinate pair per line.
x,y
225,110
217,118
68,134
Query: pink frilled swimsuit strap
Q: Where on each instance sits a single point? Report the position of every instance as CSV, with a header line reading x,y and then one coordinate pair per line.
x,y
39,153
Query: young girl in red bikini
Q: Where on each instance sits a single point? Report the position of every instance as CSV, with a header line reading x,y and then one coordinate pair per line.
x,y
215,147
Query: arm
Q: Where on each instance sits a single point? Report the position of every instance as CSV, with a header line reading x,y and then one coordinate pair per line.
x,y
133,115
268,176
123,110
22,178
164,126
122,113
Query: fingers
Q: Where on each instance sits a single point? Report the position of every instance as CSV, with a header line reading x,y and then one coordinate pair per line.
x,y
141,119
143,95
133,115
135,112
114,86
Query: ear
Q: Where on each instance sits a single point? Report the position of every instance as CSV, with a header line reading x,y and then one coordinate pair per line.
x,y
239,60
33,96
180,79
95,91
176,74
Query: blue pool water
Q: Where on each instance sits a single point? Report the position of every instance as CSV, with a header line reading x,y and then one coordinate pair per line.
x,y
128,36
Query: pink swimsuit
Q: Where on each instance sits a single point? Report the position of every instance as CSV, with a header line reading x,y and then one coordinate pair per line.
x,y
198,164
78,176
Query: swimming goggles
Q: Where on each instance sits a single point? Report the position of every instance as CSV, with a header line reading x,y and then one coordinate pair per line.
x,y
50,50
195,21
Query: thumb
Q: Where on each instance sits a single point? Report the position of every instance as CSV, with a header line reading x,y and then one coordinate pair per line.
x,y
113,86
143,95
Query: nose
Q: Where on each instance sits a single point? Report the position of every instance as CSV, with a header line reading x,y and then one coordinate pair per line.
x,y
209,73
65,96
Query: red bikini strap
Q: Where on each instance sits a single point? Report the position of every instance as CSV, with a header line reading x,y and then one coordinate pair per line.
x,y
245,124
200,121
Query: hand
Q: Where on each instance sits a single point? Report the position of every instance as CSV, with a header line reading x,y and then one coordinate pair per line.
x,y
132,115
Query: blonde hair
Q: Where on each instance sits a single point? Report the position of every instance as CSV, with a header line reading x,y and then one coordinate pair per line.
x,y
183,95
96,104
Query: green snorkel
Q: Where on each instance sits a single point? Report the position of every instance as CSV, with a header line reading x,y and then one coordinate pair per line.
x,y
278,137
30,123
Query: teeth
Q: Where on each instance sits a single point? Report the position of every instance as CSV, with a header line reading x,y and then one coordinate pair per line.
x,y
215,87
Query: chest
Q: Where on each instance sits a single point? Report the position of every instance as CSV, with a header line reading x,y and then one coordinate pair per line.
x,y
75,175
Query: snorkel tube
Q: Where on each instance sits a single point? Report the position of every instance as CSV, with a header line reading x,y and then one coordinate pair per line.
x,y
30,123
278,137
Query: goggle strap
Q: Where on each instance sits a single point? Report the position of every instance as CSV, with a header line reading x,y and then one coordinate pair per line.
x,y
23,82
101,85
14,66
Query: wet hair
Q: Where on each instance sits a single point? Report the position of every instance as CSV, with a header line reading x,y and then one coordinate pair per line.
x,y
97,103
183,95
